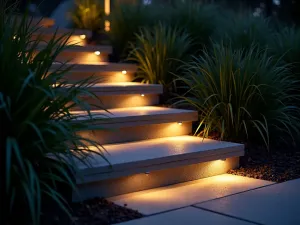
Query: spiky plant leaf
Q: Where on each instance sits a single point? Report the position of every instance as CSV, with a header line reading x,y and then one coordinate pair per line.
x,y
240,94
244,31
286,46
39,136
126,21
88,14
199,20
159,52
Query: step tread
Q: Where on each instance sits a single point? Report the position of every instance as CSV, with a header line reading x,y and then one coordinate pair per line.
x,y
140,154
126,88
97,67
135,112
86,48
60,31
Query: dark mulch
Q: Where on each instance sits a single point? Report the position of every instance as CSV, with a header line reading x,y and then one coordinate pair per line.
x,y
99,211
96,211
277,167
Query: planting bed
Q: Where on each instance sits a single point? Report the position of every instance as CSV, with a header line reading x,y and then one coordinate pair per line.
x,y
277,167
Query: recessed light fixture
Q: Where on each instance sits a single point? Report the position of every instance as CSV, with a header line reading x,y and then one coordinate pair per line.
x,y
14,37
179,123
124,71
82,36
142,95
97,52
147,173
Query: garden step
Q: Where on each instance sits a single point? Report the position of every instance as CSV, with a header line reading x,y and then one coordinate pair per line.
x,y
106,72
170,160
42,22
133,116
89,54
139,123
78,36
124,94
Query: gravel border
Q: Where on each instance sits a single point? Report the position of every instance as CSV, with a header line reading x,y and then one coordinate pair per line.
x,y
278,167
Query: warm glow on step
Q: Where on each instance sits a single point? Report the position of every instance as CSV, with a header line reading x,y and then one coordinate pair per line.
x,y
124,72
142,95
82,36
76,40
179,123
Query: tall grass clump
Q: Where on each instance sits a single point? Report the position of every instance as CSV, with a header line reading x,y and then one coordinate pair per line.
x,y
127,20
159,52
286,46
39,138
197,19
240,95
244,31
88,14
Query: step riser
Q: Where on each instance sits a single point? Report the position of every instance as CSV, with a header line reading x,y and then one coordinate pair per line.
x,y
102,77
137,133
155,179
37,22
121,101
82,57
73,40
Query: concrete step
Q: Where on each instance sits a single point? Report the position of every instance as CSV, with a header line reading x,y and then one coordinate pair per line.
x,y
167,160
106,72
34,21
78,36
90,54
125,94
139,123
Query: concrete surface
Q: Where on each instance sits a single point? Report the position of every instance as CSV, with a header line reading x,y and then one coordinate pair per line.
x,y
187,216
134,155
273,205
153,179
61,14
186,194
123,88
138,133
155,114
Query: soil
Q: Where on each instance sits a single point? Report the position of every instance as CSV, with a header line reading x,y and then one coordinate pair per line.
x,y
277,167
95,211
99,211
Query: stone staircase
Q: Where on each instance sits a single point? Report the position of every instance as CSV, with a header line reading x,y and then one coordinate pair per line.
x,y
148,146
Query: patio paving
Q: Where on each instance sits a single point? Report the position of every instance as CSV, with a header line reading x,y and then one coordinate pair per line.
x,y
264,203
272,205
187,216
185,194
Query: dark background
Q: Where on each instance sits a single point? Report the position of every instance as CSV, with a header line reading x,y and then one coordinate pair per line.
x,y
287,11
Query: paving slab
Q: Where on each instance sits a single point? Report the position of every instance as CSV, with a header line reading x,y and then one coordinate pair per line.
x,y
277,204
187,216
186,194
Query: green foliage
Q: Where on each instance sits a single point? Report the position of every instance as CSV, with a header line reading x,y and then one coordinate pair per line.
x,y
39,135
159,52
126,21
198,20
241,95
286,46
88,14
244,31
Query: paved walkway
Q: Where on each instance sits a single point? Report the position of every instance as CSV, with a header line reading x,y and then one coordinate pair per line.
x,y
224,200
